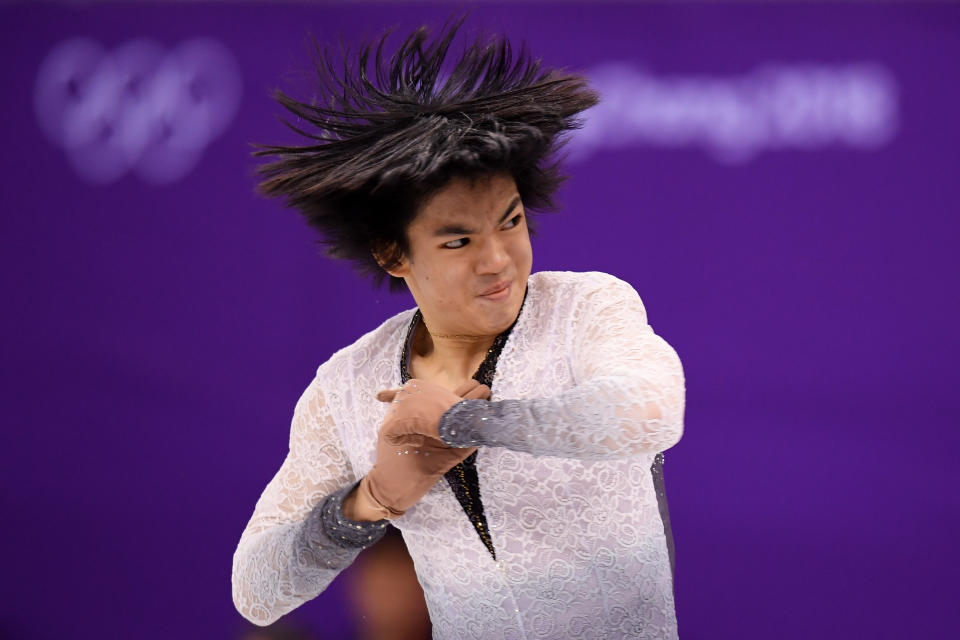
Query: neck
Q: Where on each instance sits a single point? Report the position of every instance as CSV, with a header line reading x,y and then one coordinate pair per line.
x,y
452,355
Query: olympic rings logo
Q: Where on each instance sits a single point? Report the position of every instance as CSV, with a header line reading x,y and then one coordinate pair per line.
x,y
137,108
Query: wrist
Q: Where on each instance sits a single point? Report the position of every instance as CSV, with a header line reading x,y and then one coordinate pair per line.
x,y
357,512
364,507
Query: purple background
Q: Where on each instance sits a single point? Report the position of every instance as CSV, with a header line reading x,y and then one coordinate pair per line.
x,y
156,338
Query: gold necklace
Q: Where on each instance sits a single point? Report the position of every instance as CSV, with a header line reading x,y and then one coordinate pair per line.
x,y
456,336
449,336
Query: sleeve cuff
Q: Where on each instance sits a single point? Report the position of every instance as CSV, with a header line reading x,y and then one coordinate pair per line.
x,y
343,532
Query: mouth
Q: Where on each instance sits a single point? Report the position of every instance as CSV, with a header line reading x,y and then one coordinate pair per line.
x,y
497,291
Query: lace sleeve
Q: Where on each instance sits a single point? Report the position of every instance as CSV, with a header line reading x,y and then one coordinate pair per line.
x,y
297,540
629,397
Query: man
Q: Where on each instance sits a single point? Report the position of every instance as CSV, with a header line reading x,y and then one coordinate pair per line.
x,y
509,424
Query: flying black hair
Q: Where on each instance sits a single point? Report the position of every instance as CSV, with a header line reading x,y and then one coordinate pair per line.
x,y
390,137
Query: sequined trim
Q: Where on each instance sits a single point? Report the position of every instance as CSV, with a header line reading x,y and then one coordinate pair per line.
x,y
463,478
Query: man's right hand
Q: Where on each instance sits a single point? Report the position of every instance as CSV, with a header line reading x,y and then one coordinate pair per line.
x,y
403,474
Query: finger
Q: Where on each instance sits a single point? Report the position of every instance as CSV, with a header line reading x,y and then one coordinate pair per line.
x,y
406,439
387,395
466,388
480,392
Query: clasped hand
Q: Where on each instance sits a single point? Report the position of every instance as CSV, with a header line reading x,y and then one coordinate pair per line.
x,y
410,455
416,409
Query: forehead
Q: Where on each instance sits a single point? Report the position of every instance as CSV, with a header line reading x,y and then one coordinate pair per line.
x,y
467,198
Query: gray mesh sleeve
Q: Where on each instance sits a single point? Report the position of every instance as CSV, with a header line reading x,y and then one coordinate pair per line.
x,y
629,398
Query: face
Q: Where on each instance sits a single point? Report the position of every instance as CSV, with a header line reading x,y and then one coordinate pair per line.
x,y
469,256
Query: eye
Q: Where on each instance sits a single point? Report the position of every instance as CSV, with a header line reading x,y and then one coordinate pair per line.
x,y
514,221
456,244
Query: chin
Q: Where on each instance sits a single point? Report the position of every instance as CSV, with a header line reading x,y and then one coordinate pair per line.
x,y
499,320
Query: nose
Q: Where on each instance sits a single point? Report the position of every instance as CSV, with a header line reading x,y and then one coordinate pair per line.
x,y
493,257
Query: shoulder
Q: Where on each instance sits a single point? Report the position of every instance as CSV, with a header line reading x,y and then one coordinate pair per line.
x,y
561,303
580,290
369,351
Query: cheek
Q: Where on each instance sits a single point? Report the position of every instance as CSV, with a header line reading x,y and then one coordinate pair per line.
x,y
522,252
445,283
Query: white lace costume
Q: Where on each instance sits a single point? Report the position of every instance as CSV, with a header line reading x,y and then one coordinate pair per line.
x,y
584,396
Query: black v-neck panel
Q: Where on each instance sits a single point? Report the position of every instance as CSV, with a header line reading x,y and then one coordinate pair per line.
x,y
463,478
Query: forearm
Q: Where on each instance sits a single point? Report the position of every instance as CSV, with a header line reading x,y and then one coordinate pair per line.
x,y
609,417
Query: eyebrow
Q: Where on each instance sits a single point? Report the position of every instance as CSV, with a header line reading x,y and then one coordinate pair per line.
x,y
457,230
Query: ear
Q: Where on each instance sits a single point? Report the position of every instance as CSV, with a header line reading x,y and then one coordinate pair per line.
x,y
384,255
